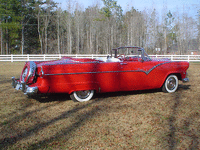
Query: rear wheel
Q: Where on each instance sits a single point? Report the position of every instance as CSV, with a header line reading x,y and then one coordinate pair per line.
x,y
171,84
82,96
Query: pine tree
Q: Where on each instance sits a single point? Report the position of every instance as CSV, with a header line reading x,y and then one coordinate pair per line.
x,y
11,24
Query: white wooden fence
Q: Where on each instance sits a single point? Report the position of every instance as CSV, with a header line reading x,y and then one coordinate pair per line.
x,y
47,57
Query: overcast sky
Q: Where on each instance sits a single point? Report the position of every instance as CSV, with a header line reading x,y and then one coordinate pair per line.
x,y
189,6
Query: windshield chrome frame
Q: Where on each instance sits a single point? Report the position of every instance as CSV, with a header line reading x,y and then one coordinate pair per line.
x,y
143,53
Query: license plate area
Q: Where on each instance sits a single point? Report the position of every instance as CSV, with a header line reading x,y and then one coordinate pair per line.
x,y
18,86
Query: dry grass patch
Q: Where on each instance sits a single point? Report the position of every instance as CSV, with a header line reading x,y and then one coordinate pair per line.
x,y
124,120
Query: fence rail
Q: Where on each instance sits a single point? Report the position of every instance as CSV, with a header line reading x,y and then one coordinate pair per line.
x,y
47,57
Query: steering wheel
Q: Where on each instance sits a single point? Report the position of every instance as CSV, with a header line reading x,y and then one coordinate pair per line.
x,y
121,56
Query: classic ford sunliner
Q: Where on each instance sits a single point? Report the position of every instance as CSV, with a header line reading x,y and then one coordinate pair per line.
x,y
126,69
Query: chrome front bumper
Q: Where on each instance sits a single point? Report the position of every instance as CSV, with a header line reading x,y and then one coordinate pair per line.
x,y
25,88
185,80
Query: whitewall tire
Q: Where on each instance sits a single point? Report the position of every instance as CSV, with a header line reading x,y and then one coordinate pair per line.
x,y
171,84
82,96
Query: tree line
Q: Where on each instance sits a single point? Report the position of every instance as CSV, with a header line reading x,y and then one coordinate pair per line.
x,y
42,27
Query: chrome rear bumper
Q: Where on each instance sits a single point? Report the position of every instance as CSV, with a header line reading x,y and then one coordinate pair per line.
x,y
25,88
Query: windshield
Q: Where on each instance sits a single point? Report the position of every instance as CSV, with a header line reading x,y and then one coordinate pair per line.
x,y
129,51
134,52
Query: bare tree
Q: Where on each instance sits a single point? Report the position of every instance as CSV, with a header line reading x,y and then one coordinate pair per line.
x,y
198,23
59,11
68,21
1,39
40,29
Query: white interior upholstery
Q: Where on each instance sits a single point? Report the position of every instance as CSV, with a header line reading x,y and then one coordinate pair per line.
x,y
112,60
105,59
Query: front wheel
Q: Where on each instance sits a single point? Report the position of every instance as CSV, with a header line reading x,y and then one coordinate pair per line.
x,y
82,96
171,84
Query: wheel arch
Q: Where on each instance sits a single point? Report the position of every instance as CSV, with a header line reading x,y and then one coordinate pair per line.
x,y
83,87
171,83
176,74
71,91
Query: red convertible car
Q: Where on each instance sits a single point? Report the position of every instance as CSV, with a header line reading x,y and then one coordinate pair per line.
x,y
126,69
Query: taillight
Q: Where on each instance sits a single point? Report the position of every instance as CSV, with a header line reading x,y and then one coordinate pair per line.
x,y
28,73
24,74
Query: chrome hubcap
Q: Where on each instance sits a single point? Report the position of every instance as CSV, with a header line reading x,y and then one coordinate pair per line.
x,y
83,94
171,83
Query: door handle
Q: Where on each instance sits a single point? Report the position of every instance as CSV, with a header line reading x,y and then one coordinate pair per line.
x,y
123,63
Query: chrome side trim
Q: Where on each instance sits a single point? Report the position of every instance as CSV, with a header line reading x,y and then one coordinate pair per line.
x,y
69,63
91,72
146,72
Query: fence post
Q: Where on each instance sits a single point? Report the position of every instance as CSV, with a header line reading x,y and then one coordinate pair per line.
x,y
11,57
188,58
44,57
171,57
28,57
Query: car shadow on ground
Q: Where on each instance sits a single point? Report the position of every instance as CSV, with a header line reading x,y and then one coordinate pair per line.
x,y
183,87
125,93
98,96
46,98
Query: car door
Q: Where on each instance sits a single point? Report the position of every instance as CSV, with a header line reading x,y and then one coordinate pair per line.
x,y
135,75
107,76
